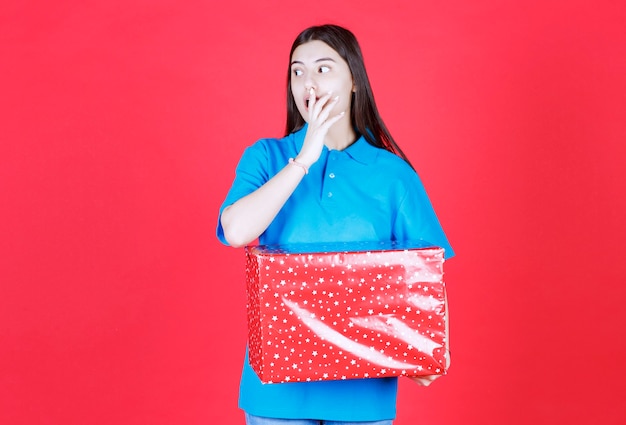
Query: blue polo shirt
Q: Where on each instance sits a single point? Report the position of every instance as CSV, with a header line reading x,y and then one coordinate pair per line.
x,y
359,194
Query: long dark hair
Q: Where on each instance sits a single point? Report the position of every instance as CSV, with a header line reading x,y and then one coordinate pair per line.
x,y
364,115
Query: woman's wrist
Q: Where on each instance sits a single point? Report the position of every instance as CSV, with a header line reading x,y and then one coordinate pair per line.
x,y
306,160
298,163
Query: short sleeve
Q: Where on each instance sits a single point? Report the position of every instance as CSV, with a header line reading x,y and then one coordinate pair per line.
x,y
416,219
250,174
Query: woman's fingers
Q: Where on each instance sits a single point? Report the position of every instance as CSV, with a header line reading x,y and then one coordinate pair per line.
x,y
320,121
311,103
319,109
424,380
328,106
330,121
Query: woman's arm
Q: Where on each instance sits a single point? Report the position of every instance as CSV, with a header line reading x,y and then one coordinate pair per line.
x,y
247,218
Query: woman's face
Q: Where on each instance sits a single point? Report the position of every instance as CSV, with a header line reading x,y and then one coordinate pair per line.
x,y
317,65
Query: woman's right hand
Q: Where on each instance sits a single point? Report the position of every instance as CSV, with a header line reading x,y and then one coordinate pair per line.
x,y
319,121
247,219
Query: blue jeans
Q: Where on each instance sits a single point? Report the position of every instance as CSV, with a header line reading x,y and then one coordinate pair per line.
x,y
258,420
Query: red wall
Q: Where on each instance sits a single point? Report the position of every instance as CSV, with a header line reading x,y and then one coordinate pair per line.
x,y
120,127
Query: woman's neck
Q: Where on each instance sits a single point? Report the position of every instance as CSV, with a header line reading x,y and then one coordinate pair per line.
x,y
340,136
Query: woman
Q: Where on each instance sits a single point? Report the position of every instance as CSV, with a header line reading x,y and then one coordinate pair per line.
x,y
337,176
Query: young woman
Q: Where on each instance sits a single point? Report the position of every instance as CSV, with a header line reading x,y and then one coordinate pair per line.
x,y
337,176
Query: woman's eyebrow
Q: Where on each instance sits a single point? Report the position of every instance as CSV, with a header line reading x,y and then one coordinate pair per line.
x,y
317,60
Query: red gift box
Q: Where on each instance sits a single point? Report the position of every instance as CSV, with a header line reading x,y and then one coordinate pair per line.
x,y
328,313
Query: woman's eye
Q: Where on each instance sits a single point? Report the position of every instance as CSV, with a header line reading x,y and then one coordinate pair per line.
x,y
297,72
323,69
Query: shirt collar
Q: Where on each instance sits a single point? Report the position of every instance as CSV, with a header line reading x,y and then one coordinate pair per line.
x,y
360,150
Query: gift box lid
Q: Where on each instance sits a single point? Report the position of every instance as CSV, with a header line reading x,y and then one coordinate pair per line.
x,y
324,247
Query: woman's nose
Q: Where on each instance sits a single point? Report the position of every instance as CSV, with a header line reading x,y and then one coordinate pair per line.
x,y
310,84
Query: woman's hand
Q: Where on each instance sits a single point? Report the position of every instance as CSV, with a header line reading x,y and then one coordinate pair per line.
x,y
426,380
320,121
247,219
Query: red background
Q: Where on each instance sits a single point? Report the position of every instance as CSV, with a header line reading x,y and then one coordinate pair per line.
x,y
121,125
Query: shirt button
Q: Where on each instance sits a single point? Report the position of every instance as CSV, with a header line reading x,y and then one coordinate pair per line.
x,y
330,194
331,175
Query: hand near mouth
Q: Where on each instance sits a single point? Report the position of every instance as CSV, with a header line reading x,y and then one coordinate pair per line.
x,y
320,121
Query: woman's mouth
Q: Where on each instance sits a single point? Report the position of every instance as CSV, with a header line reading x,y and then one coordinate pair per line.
x,y
306,101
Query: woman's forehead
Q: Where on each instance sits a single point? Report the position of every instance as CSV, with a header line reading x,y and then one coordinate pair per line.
x,y
314,50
